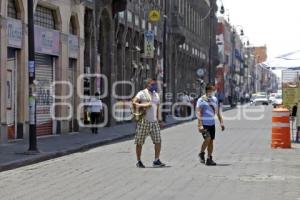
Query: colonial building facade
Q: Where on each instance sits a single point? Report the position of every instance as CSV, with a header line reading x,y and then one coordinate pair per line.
x,y
59,54
191,45
106,46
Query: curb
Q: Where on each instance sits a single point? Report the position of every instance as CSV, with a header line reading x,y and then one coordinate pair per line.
x,y
85,147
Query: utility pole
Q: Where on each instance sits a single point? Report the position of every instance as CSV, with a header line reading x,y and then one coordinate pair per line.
x,y
31,69
232,69
164,61
210,46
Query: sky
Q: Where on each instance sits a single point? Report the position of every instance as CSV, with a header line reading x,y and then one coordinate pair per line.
x,y
275,23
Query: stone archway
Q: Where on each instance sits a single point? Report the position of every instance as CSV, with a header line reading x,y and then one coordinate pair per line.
x,y
74,20
56,13
20,9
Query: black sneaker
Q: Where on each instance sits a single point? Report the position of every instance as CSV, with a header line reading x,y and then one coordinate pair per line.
x,y
210,162
157,163
139,164
202,157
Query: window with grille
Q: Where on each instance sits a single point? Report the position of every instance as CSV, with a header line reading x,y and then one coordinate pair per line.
x,y
44,17
12,9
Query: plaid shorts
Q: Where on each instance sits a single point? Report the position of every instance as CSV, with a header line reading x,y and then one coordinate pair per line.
x,y
145,128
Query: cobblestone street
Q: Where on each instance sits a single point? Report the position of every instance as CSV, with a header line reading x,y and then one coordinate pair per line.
x,y
247,168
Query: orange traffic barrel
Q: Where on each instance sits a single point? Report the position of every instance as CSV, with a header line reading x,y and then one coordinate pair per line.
x,y
281,137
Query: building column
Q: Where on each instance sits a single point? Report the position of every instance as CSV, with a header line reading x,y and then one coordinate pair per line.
x,y
22,112
63,90
106,46
3,61
79,71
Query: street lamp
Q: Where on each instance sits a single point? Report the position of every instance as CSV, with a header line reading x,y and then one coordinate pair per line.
x,y
164,60
222,9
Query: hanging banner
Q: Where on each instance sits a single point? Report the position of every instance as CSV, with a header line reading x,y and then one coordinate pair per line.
x,y
290,94
219,79
149,44
290,87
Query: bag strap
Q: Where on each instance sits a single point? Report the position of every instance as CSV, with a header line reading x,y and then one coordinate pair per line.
x,y
147,97
205,98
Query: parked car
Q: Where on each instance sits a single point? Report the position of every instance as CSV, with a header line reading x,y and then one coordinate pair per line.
x,y
261,100
277,101
252,98
272,97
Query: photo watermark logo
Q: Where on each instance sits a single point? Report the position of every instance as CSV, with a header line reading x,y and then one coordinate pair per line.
x,y
121,109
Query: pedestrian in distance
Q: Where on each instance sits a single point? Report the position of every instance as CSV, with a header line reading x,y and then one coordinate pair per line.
x,y
96,109
207,108
148,99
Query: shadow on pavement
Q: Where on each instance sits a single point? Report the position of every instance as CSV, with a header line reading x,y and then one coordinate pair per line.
x,y
168,166
223,165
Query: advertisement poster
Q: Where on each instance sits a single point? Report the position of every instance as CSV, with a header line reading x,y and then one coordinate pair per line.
x,y
290,94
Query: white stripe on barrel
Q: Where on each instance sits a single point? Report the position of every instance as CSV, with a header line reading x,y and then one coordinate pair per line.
x,y
280,125
281,114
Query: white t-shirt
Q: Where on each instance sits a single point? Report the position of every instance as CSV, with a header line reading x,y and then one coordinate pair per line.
x,y
151,113
185,99
95,105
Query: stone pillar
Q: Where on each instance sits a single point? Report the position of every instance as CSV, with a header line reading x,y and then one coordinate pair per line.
x,y
22,101
3,61
63,88
78,72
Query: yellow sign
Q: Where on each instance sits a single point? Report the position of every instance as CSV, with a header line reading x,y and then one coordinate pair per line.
x,y
154,16
290,95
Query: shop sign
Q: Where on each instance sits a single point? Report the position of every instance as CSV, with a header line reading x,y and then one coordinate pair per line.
x,y
14,33
46,41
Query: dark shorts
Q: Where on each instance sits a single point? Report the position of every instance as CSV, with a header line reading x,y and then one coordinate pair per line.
x,y
211,131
